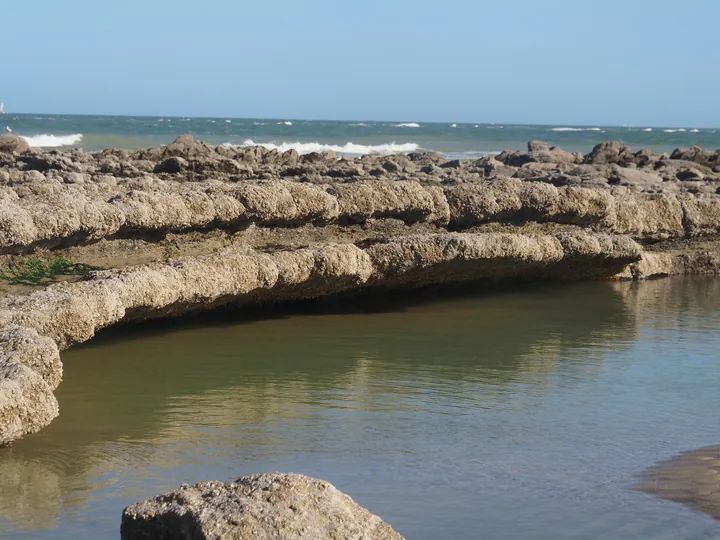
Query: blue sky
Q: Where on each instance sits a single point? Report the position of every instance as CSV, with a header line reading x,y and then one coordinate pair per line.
x,y
637,62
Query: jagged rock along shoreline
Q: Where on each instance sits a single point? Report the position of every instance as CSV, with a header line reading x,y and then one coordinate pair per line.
x,y
91,240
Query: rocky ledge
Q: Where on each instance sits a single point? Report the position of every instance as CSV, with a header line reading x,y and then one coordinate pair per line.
x,y
263,507
88,241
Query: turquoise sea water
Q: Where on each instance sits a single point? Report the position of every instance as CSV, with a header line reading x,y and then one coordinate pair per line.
x,y
94,133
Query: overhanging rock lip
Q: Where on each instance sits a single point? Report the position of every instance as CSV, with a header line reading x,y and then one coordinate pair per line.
x,y
37,325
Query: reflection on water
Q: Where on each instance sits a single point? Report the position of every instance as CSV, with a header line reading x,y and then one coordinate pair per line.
x,y
510,415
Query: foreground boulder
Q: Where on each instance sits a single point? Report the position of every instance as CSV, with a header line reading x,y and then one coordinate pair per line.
x,y
263,507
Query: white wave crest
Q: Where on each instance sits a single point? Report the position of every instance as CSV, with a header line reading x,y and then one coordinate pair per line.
x,y
670,130
349,148
694,131
52,141
453,125
361,124
407,125
647,129
575,129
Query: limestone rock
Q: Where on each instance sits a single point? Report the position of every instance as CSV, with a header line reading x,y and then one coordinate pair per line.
x,y
12,144
609,152
260,507
707,158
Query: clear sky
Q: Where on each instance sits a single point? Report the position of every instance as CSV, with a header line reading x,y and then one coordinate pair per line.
x,y
637,62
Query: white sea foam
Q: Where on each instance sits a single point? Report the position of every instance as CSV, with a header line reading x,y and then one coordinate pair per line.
x,y
407,125
284,123
647,129
670,130
229,121
694,131
349,148
361,124
575,129
52,141
258,123
682,130
453,125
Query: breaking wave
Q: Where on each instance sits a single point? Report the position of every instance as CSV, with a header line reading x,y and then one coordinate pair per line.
x,y
408,125
53,141
575,129
347,149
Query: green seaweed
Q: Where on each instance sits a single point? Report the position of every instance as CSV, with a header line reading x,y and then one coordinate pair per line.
x,y
39,272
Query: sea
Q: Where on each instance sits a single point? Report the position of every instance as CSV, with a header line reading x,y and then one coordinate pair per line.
x,y
347,138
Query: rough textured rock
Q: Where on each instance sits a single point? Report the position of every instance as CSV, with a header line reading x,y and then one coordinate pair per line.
x,y
610,152
30,370
70,313
263,507
708,158
702,215
56,199
322,226
13,144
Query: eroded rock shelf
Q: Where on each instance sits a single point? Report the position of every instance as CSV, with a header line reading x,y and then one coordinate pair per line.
x,y
191,227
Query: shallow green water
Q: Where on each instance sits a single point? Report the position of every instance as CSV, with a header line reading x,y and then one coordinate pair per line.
x,y
511,415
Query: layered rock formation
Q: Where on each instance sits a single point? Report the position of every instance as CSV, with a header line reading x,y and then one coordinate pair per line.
x,y
263,507
59,200
191,227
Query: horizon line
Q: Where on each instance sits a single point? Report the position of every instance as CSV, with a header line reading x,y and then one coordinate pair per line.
x,y
283,118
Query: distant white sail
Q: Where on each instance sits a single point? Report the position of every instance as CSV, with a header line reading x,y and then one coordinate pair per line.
x,y
2,108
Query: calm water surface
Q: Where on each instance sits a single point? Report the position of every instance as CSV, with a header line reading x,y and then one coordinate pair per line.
x,y
511,415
